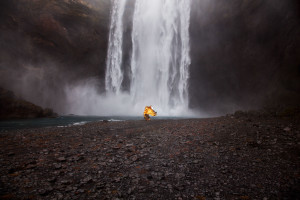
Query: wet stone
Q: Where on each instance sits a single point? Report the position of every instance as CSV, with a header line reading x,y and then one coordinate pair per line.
x,y
134,158
57,166
195,161
11,154
61,159
86,179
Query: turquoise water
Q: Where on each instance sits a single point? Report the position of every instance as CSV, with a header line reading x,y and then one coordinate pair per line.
x,y
64,121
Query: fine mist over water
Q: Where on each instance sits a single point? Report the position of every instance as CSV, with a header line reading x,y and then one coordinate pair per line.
x,y
159,63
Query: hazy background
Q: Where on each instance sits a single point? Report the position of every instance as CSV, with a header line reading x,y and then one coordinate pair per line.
x,y
245,54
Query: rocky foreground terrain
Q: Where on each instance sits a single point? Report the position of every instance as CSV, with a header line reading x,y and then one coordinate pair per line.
x,y
234,157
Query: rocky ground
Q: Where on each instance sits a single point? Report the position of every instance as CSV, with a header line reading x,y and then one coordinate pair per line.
x,y
232,157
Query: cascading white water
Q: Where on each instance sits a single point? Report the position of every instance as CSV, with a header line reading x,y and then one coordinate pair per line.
x,y
160,54
114,74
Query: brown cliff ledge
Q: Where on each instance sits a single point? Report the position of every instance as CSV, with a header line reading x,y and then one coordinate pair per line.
x,y
12,107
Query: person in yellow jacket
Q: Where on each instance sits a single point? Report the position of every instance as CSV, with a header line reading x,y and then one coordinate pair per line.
x,y
149,111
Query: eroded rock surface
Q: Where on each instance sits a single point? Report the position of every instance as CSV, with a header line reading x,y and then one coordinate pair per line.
x,y
12,107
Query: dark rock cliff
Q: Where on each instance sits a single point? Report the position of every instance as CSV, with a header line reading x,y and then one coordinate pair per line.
x,y
245,54
12,107
46,45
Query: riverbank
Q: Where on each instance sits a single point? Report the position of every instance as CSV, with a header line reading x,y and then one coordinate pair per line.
x,y
232,157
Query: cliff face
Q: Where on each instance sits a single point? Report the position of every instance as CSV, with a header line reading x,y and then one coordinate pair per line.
x,y
69,32
12,107
245,54
46,45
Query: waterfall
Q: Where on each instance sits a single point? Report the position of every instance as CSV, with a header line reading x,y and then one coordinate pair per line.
x,y
114,74
160,54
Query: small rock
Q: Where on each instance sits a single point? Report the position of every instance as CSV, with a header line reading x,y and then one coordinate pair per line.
x,y
87,179
80,191
149,177
42,192
134,158
49,189
179,175
30,166
130,191
51,180
60,196
68,189
65,182
11,154
259,142
57,165
61,159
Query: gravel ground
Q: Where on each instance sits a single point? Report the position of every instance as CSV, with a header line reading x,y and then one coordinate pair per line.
x,y
230,157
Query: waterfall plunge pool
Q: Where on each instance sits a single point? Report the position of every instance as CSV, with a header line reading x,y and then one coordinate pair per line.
x,y
67,121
